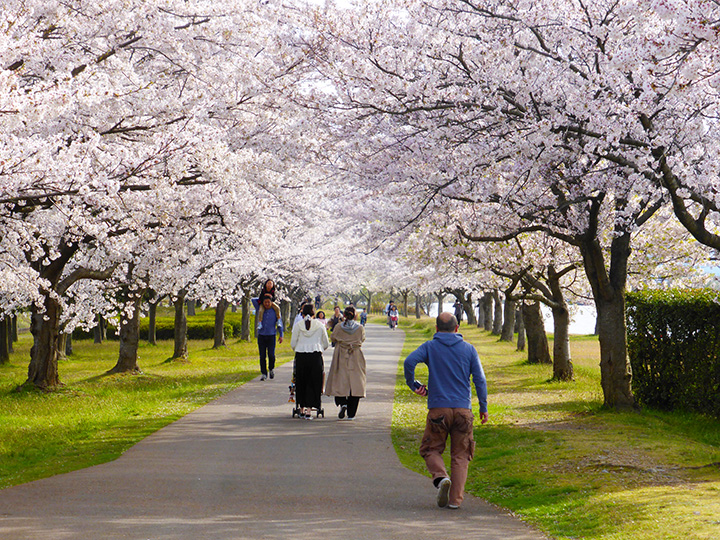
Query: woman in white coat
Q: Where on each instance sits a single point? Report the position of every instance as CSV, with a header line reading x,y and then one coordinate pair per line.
x,y
309,340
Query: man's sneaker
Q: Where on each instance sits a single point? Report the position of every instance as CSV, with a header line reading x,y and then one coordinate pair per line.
x,y
453,506
263,377
272,373
343,409
443,492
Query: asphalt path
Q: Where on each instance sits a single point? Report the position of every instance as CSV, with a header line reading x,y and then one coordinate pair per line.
x,y
242,467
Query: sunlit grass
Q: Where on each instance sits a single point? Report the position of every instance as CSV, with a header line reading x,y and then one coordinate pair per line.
x,y
93,418
553,456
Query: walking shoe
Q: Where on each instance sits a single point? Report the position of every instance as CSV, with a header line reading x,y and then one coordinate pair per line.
x,y
453,506
272,373
263,377
343,409
443,492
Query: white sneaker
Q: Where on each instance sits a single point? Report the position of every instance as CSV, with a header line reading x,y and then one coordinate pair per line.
x,y
263,377
443,492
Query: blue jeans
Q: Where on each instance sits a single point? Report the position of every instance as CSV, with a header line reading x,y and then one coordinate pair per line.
x,y
266,344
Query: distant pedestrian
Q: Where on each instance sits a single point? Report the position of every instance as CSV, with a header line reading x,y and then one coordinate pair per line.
x,y
335,319
346,378
309,340
451,363
363,317
268,327
459,311
320,316
318,302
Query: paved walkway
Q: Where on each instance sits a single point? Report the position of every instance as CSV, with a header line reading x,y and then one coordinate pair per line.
x,y
243,468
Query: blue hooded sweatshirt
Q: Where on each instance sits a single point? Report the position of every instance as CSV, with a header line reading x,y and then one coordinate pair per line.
x,y
451,362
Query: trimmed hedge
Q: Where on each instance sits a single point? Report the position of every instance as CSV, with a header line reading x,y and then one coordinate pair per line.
x,y
200,326
674,348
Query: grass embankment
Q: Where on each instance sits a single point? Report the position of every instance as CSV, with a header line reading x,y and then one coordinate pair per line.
x,y
551,455
94,418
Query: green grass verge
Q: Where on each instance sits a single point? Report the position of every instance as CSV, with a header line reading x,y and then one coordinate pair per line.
x,y
553,457
94,418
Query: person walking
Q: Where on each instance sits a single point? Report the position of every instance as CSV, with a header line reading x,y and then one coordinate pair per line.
x,y
451,363
336,318
347,376
268,327
459,310
309,339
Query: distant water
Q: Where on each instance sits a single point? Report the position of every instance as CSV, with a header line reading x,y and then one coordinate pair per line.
x,y
582,317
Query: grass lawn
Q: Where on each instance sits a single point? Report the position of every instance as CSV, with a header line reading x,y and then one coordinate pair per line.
x,y
94,418
552,456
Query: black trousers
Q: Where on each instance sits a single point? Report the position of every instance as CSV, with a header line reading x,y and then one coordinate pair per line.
x,y
266,345
309,368
351,402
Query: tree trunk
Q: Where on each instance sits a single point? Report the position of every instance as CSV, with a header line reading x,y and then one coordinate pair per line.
x,y
481,314
615,369
45,328
68,344
11,332
469,310
507,332
245,315
440,297
497,314
521,330
609,294
99,330
285,313
220,310
152,321
14,329
191,307
537,343
418,307
487,301
5,339
180,334
62,345
129,334
562,361
405,296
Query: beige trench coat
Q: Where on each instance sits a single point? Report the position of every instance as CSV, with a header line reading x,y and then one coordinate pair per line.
x,y
347,371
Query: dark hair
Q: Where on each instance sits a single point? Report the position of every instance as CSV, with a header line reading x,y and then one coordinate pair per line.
x,y
349,313
267,291
446,324
320,312
308,309
266,297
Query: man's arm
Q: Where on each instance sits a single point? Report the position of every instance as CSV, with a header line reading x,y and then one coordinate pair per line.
x,y
411,361
478,376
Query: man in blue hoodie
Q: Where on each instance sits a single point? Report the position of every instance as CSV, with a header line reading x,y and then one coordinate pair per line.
x,y
451,362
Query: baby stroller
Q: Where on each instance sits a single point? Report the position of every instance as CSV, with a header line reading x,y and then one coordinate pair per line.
x,y
297,411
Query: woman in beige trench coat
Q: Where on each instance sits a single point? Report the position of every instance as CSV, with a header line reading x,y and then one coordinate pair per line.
x,y
346,379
